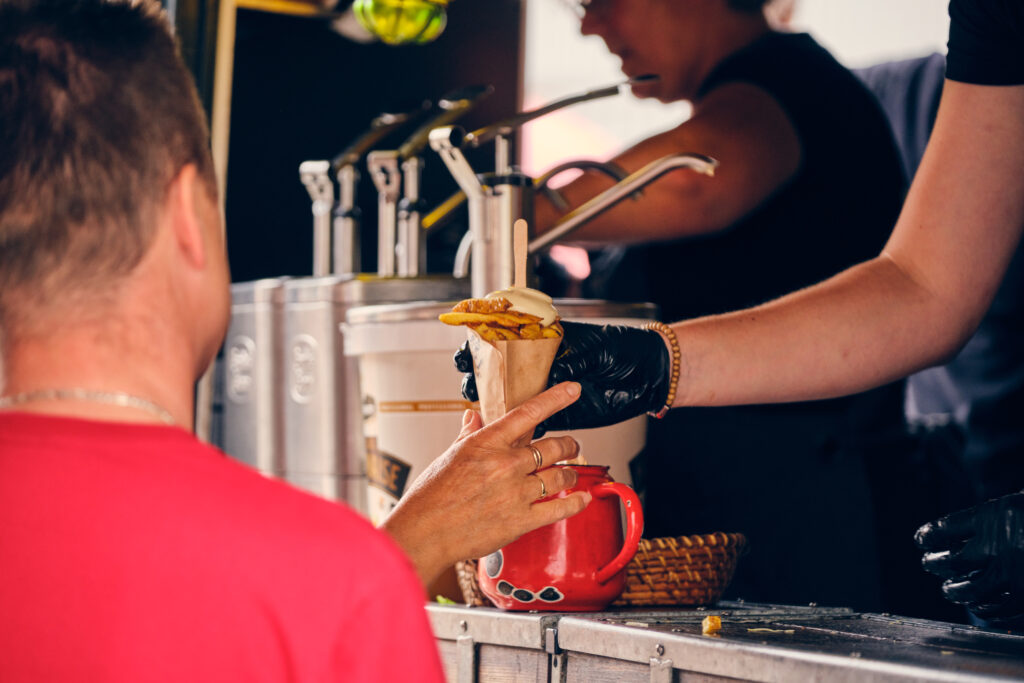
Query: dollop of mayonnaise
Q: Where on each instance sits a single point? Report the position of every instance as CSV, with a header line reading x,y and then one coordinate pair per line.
x,y
526,300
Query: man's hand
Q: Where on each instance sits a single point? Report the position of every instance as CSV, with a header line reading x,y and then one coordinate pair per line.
x,y
980,553
624,372
482,493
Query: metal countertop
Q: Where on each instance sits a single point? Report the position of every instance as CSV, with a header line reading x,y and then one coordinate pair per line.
x,y
757,642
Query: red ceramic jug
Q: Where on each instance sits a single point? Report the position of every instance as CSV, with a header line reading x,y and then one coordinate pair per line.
x,y
575,565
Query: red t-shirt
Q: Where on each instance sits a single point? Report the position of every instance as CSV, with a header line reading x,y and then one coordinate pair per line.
x,y
137,553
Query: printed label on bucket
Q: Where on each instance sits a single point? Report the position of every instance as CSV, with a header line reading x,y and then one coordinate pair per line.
x,y
387,476
426,406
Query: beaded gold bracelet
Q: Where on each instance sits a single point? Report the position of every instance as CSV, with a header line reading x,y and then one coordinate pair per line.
x,y
673,342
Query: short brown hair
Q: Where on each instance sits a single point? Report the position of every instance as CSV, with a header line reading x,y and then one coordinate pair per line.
x,y
97,115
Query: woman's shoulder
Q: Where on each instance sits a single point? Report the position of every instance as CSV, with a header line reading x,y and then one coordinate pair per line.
x,y
780,61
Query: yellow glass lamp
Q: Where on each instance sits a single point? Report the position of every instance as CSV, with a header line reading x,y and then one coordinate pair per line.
x,y
402,22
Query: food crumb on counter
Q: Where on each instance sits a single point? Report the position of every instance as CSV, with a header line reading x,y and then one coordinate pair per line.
x,y
945,652
788,631
711,625
641,624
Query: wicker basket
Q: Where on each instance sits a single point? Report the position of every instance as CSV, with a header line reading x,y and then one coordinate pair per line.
x,y
465,571
684,570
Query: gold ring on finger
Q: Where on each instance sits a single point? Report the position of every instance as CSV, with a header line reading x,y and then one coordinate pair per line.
x,y
543,486
538,459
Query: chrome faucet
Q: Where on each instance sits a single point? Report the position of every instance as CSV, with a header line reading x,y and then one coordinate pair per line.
x,y
486,252
336,229
346,225
496,201
400,249
616,193
314,175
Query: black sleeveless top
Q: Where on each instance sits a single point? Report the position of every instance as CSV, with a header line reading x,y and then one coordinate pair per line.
x,y
836,211
986,42
787,475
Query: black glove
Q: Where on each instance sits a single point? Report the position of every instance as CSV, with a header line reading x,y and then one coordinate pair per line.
x,y
624,372
980,554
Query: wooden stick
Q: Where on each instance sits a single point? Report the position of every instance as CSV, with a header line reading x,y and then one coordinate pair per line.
x,y
519,242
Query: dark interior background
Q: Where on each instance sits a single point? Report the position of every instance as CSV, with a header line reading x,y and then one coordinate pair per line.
x,y
301,91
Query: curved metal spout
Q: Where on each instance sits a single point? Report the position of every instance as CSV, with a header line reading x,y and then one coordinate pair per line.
x,y
618,192
513,123
443,212
379,128
450,107
314,175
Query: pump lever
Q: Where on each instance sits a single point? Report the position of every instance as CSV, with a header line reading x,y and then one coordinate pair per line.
x,y
451,106
380,126
513,123
345,215
313,175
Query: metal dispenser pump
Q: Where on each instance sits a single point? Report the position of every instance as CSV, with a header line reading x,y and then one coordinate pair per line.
x,y
338,223
496,202
323,437
314,175
400,249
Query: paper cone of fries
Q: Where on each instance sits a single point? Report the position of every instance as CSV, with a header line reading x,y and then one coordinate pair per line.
x,y
510,371
514,335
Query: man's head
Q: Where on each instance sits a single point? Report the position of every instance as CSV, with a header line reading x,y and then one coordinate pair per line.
x,y
680,40
98,117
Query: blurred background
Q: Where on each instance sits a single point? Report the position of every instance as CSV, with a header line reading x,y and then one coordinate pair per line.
x,y
301,87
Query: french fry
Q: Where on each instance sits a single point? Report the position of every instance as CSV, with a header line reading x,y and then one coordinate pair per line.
x,y
454,318
495,305
531,331
507,319
493,320
494,333
515,318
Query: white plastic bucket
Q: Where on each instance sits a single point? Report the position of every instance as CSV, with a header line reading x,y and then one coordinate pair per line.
x,y
412,401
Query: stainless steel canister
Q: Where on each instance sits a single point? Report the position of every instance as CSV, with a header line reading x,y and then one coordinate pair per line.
x,y
252,418
324,448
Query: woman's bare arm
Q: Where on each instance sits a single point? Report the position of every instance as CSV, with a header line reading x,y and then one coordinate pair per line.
x,y
911,307
738,124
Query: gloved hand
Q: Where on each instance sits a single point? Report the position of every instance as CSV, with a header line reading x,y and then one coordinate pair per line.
x,y
624,372
980,553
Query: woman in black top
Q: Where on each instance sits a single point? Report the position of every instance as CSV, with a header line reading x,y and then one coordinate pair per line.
x,y
809,184
910,307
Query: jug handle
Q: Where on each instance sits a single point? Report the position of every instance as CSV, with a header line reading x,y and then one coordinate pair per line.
x,y
634,526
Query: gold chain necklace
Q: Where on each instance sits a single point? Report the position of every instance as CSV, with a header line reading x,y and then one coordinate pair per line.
x,y
114,398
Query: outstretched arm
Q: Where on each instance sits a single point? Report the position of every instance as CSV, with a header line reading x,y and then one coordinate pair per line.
x,y
911,307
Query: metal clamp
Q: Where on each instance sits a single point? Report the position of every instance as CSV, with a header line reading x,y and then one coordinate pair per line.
x,y
410,248
314,175
447,142
556,658
346,223
465,653
661,670
384,172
